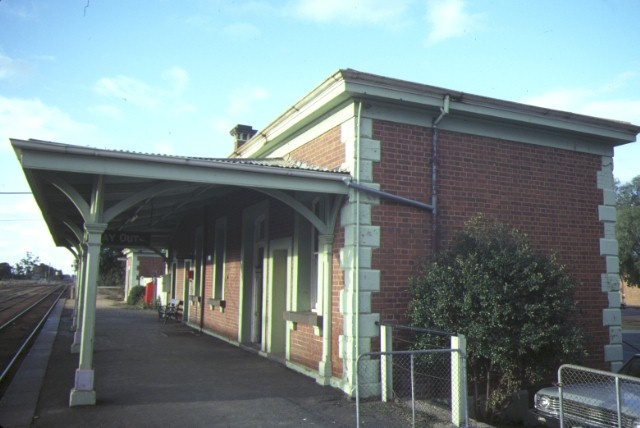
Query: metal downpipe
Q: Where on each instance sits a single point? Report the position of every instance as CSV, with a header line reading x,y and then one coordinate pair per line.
x,y
435,230
357,252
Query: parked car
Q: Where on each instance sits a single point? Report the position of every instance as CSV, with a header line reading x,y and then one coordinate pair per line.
x,y
593,404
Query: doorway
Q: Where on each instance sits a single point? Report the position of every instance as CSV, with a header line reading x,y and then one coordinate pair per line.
x,y
252,297
279,277
256,295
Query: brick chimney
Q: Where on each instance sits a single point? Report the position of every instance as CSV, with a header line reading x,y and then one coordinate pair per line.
x,y
242,134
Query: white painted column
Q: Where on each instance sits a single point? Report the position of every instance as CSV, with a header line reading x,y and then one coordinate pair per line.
x,y
361,279
83,392
77,328
326,261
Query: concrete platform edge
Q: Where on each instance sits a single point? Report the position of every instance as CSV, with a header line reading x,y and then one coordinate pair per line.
x,y
18,405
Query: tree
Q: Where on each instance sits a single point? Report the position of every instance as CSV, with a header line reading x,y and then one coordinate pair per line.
x,y
6,271
44,271
628,230
513,304
111,268
26,267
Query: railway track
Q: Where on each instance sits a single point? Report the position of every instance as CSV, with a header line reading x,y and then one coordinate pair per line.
x,y
23,310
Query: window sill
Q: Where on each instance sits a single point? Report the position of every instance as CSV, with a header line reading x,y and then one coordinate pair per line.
x,y
194,299
213,303
308,318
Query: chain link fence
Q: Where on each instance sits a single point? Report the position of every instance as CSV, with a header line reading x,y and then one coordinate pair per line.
x,y
430,384
595,398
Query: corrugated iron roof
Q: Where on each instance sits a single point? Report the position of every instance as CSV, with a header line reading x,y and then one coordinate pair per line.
x,y
276,163
268,162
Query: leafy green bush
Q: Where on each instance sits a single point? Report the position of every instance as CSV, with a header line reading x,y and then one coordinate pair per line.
x,y
513,304
136,295
628,231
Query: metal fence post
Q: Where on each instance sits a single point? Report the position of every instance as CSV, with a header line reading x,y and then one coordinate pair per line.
x,y
618,403
560,398
458,381
386,362
413,393
357,393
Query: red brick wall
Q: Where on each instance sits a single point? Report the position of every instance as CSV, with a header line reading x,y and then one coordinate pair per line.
x,y
336,317
180,280
326,151
150,266
405,232
548,193
226,323
306,348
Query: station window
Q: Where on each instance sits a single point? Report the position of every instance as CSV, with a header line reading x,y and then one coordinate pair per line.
x,y
307,296
220,241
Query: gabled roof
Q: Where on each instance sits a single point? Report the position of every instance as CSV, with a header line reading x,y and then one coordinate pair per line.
x,y
350,85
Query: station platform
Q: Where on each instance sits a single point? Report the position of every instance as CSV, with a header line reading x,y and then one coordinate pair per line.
x,y
150,374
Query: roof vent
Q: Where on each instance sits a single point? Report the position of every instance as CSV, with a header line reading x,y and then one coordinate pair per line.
x,y
242,134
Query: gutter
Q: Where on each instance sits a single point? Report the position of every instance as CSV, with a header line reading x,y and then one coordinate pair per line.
x,y
420,95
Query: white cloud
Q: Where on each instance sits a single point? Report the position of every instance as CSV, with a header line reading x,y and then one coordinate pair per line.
x,y
242,100
147,97
164,148
448,19
108,111
21,10
222,126
198,21
377,12
624,110
178,78
610,100
31,118
24,230
242,31
129,90
11,69
561,99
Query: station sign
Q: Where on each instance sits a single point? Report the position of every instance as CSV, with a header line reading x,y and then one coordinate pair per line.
x,y
125,239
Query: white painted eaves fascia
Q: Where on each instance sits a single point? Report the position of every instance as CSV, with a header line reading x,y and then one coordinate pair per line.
x,y
42,155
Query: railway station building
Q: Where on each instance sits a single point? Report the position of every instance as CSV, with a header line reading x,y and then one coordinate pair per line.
x,y
305,236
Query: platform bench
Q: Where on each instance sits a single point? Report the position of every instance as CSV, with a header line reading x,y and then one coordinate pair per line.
x,y
172,310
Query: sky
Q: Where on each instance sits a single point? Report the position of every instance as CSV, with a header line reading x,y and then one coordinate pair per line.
x,y
173,77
